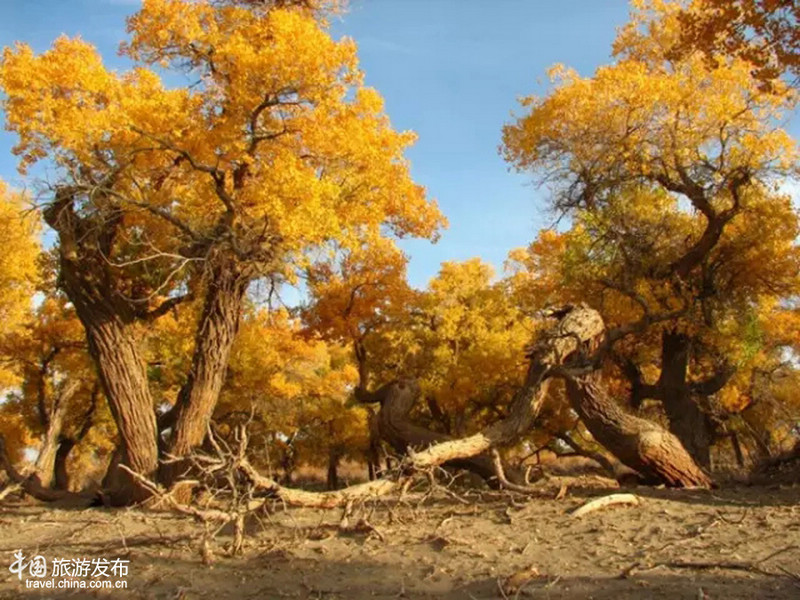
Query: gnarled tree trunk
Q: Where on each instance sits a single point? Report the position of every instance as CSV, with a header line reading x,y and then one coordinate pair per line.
x,y
123,375
45,467
397,399
640,444
108,319
215,334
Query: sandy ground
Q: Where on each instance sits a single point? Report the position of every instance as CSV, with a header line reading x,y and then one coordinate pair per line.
x,y
447,546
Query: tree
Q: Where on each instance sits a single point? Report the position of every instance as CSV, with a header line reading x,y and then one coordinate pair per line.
x,y
764,33
667,167
58,402
18,269
469,334
165,195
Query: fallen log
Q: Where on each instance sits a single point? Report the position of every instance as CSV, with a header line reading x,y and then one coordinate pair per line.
x,y
397,399
564,350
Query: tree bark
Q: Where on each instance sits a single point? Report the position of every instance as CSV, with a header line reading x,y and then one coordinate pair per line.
x,y
108,318
640,444
215,334
397,400
687,421
123,375
45,467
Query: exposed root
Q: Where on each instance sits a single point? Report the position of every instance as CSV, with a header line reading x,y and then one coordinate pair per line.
x,y
505,483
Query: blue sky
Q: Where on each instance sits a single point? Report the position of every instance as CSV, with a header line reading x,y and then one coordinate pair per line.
x,y
451,70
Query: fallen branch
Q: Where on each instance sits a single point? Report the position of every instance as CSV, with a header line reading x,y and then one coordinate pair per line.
x,y
505,483
605,502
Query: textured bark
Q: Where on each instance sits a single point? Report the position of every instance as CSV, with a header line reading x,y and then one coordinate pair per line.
x,y
687,421
215,334
577,330
395,427
45,467
85,243
640,444
123,375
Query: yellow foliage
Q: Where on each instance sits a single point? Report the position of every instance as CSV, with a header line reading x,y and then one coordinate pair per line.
x,y
278,140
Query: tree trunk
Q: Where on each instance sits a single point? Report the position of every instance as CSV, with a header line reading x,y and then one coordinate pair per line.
x,y
60,472
124,378
398,399
373,452
44,469
66,444
334,456
214,337
686,419
640,444
85,244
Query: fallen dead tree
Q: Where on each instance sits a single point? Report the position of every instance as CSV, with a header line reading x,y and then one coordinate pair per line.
x,y
396,400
